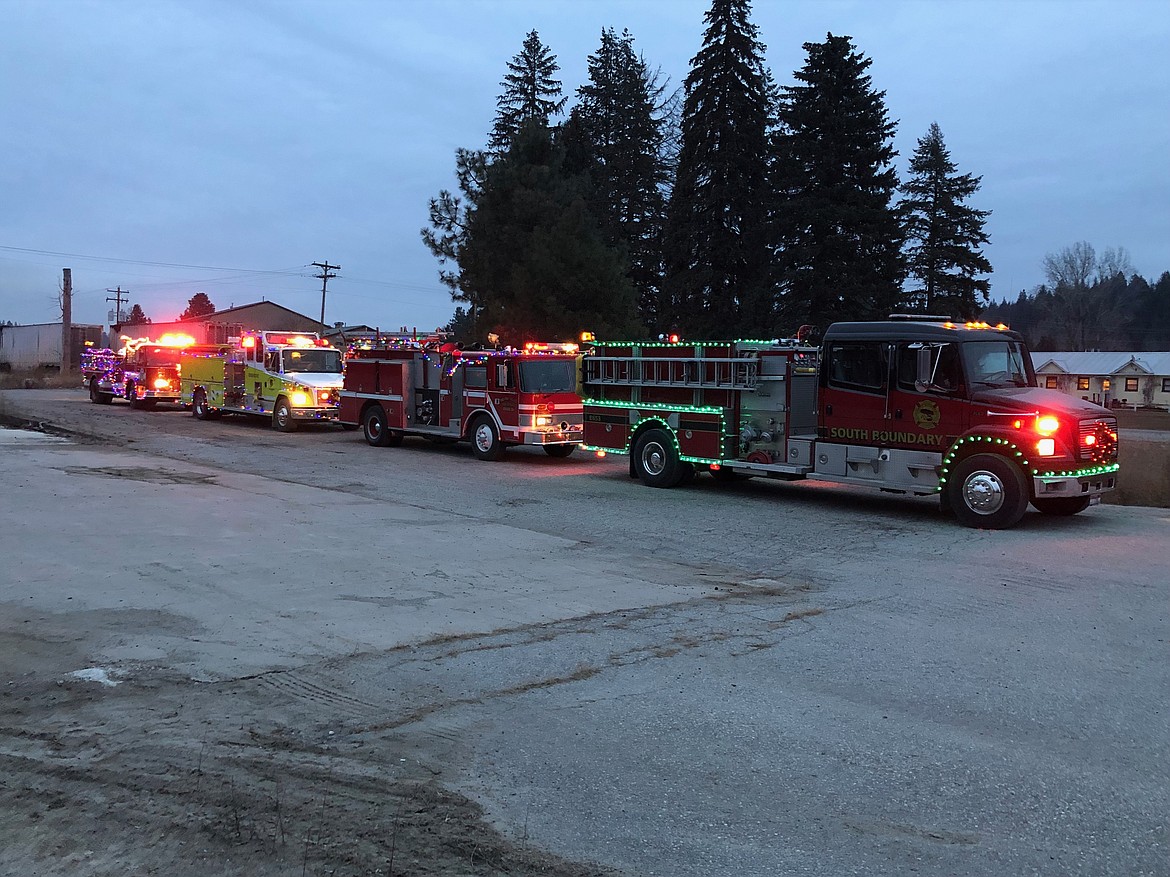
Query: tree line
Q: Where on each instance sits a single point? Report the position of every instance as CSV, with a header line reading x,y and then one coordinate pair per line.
x,y
1090,302
732,207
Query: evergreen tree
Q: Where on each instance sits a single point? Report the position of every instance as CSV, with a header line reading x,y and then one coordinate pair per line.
x,y
944,234
199,305
840,236
137,316
617,134
461,327
1156,308
449,216
530,92
533,258
715,238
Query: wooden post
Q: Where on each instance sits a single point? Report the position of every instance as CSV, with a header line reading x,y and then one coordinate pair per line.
x,y
67,363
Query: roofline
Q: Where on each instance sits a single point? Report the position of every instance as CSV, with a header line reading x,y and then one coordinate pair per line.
x,y
894,330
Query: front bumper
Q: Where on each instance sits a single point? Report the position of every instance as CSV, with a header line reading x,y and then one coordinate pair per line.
x,y
1054,485
316,413
571,436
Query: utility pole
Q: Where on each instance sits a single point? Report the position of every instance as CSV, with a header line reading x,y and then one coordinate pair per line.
x,y
324,278
66,319
120,293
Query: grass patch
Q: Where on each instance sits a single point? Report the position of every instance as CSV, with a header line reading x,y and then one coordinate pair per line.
x,y
39,379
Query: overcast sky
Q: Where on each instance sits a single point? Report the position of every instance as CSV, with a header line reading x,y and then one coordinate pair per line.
x,y
170,147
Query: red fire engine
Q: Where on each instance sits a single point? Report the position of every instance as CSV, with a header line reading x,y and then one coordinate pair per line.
x,y
907,406
492,398
144,372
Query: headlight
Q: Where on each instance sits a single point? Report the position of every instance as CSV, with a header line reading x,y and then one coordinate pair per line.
x,y
161,383
1046,447
300,398
543,420
1047,424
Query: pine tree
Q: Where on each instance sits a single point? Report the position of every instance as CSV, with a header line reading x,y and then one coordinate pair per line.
x,y
840,236
533,258
944,233
450,216
137,316
715,240
530,92
617,134
199,305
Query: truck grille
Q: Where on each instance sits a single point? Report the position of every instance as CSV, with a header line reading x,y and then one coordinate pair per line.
x,y
1097,440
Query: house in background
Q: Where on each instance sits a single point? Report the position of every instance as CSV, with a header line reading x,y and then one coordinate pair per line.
x,y
1113,379
223,326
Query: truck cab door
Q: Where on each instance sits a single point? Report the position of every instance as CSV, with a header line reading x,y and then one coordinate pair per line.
x,y
928,396
502,394
853,403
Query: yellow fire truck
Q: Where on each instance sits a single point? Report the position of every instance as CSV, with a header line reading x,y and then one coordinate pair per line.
x,y
287,376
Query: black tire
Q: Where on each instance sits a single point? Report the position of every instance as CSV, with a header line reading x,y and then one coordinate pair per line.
x,y
485,439
559,451
147,404
689,473
987,492
1061,506
375,430
96,396
199,409
656,459
130,397
282,416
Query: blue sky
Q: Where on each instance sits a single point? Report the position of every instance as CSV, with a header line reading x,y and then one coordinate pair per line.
x,y
169,148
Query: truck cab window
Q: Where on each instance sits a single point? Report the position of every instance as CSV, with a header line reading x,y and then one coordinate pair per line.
x,y
475,377
946,372
997,364
858,365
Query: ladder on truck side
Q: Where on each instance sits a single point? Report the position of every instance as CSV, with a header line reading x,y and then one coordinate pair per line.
x,y
697,372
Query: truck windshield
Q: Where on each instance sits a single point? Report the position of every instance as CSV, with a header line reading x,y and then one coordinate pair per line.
x,y
997,364
548,376
313,359
158,356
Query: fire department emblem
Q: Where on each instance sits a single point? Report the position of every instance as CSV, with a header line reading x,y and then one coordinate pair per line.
x,y
926,414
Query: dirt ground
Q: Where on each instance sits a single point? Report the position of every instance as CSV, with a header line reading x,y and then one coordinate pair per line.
x,y
161,774
157,775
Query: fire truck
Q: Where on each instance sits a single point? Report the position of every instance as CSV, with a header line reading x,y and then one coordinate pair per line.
x,y
144,372
915,406
491,397
287,376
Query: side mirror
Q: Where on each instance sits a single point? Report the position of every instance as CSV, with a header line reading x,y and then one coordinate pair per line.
x,y
923,370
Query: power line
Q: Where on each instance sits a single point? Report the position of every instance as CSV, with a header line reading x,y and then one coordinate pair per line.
x,y
144,262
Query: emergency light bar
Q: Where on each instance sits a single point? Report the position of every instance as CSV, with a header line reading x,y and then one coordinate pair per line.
x,y
543,347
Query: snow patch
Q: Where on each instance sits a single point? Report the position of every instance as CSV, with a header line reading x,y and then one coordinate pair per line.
x,y
95,674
